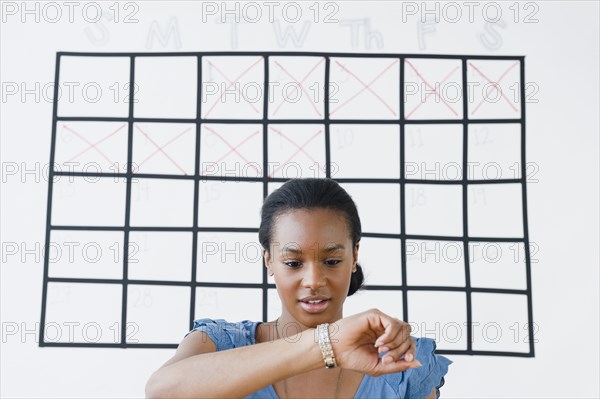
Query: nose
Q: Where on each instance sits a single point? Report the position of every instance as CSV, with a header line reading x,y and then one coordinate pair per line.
x,y
313,278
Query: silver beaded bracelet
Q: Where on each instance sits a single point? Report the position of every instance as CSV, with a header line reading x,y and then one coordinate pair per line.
x,y
325,345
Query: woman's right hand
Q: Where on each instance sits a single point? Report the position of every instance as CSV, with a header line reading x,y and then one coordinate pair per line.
x,y
358,341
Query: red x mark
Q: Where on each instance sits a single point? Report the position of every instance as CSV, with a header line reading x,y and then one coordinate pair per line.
x,y
366,86
300,83
433,90
233,82
161,148
233,148
429,93
92,145
495,85
300,148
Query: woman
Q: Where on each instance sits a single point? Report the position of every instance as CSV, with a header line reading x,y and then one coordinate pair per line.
x,y
310,232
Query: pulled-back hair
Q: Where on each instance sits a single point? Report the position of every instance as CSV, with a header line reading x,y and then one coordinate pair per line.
x,y
311,193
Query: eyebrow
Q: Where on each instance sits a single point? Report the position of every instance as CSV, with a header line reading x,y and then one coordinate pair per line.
x,y
328,249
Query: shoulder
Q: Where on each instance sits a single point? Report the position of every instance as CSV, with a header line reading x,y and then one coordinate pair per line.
x,y
226,334
420,381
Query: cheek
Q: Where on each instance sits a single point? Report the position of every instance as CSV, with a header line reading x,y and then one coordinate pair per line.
x,y
287,286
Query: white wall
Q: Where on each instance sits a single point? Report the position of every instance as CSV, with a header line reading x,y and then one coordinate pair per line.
x,y
561,51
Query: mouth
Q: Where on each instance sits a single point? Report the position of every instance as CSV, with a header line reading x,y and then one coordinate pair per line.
x,y
315,305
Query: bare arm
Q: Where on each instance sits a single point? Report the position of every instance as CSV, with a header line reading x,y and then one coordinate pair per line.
x,y
198,371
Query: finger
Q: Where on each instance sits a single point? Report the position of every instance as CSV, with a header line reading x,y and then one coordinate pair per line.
x,y
402,336
406,351
412,352
398,336
391,343
394,367
399,353
391,328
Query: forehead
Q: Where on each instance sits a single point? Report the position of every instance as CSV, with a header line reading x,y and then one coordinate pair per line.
x,y
309,228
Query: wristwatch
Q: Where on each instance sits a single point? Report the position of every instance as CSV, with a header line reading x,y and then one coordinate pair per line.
x,y
325,345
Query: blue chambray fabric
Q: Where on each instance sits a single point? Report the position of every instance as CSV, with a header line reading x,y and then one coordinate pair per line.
x,y
410,384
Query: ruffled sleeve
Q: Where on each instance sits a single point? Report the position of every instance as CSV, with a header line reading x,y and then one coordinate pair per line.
x,y
226,335
421,380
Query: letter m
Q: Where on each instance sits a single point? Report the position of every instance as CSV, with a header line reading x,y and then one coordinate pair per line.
x,y
164,38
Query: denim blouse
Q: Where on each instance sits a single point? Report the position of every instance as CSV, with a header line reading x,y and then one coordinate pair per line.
x,y
414,383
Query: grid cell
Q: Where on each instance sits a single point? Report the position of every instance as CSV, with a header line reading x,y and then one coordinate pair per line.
x,y
365,151
94,87
157,314
495,210
432,89
383,218
88,201
494,151
497,265
86,254
231,150
296,151
380,260
296,87
164,148
153,202
435,263
160,255
232,304
363,88
232,87
229,258
229,204
75,315
434,209
500,322
91,147
433,152
440,315
494,89
166,87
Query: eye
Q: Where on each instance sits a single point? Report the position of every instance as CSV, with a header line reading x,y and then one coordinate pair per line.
x,y
292,263
332,262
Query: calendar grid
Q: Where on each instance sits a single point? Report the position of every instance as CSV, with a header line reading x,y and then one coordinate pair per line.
x,y
198,177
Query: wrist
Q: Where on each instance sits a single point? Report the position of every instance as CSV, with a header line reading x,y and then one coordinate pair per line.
x,y
312,351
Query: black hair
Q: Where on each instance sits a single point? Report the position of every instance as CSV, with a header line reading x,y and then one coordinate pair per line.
x,y
310,193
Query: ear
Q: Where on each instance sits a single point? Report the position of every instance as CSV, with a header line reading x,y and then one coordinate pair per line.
x,y
268,261
355,257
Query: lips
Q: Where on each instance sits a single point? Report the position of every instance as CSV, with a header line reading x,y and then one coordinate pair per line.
x,y
315,304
